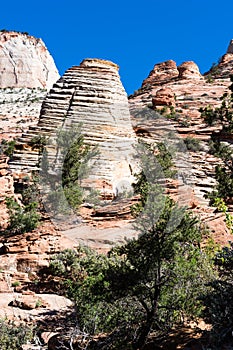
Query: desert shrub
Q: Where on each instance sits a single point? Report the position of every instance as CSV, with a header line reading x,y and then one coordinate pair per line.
x,y
21,218
12,337
7,147
219,301
192,144
67,192
149,284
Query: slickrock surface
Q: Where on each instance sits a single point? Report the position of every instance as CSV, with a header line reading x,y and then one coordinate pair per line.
x,y
91,94
25,62
19,109
178,93
28,252
51,304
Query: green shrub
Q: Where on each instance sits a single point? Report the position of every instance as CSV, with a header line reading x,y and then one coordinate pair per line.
x,y
15,284
7,147
192,144
21,218
12,337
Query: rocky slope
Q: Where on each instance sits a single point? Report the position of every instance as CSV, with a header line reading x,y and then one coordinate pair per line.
x,y
167,104
25,62
177,93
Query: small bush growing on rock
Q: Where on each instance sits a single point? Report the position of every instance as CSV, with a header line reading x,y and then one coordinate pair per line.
x,y
7,147
192,144
21,218
12,337
223,117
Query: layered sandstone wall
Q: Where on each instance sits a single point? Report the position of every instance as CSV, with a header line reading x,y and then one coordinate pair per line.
x,y
90,94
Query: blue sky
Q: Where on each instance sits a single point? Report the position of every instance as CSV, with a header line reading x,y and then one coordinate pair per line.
x,y
134,34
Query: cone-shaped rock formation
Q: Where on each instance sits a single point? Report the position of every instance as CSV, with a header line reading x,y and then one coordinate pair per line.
x,y
91,94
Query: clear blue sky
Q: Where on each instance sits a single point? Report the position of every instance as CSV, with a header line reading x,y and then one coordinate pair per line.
x,y
134,34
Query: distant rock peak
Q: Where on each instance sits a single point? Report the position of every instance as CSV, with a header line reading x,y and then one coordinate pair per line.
x,y
25,62
189,70
230,47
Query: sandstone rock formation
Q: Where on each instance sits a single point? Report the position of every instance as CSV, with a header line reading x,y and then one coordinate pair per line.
x,y
189,70
25,62
163,97
191,91
93,95
230,47
20,108
161,73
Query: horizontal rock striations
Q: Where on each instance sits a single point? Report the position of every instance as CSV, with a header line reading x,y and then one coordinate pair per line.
x,y
91,94
25,62
177,93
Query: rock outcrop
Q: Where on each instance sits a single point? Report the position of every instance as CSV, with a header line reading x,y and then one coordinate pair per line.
x,y
90,94
161,73
189,70
25,62
230,47
178,92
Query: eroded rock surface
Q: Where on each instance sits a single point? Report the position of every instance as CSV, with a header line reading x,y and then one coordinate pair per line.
x,y
25,62
90,94
177,93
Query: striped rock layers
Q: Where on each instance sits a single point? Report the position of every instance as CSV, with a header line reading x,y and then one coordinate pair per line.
x,y
91,94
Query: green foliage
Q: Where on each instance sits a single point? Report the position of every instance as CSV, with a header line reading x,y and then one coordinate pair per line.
x,y
143,284
30,191
192,144
220,204
219,300
15,284
7,147
77,154
12,336
21,218
157,165
38,142
214,70
151,282
76,157
223,116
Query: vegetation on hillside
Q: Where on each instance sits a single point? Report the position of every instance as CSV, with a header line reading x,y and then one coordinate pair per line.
x,y
222,195
148,285
65,187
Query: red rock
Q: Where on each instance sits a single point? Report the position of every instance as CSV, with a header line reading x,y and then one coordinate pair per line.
x,y
162,72
164,97
189,70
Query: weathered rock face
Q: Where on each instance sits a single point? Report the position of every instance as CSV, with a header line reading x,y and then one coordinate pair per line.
x,y
25,62
189,70
230,47
91,94
163,97
191,91
161,73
